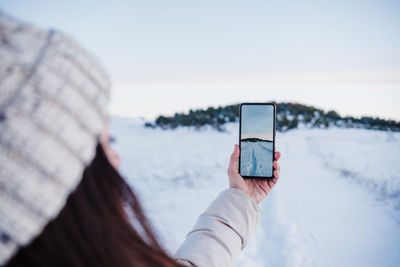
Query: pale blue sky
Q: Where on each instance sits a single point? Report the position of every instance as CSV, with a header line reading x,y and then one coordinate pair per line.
x,y
257,119
170,56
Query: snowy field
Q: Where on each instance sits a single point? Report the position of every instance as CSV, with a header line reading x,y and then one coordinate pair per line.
x,y
337,202
256,158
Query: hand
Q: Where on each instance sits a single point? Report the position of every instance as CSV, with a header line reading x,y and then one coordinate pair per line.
x,y
257,189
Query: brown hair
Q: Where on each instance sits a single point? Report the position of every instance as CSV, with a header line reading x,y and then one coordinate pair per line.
x,y
102,224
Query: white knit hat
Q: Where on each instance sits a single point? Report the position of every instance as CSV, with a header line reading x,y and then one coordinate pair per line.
x,y
53,106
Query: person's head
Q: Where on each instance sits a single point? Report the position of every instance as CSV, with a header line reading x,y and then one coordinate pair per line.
x,y
62,200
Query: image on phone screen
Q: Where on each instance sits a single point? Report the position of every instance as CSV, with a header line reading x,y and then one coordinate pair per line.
x,y
257,140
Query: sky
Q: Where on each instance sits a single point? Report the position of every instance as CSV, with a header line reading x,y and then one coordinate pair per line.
x,y
257,121
171,56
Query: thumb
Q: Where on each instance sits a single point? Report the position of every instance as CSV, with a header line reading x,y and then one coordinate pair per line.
x,y
233,163
235,179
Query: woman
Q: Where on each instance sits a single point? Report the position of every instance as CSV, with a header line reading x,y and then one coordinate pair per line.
x,y
62,201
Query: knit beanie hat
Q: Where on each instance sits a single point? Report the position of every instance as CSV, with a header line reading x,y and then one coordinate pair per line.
x,y
53,107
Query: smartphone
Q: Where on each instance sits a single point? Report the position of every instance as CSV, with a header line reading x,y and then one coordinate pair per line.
x,y
257,140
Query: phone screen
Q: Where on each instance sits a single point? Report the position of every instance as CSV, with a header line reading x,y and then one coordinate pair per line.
x,y
257,139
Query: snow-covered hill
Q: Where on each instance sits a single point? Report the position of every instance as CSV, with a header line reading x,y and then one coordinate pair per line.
x,y
336,203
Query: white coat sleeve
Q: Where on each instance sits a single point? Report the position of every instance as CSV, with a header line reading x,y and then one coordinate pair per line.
x,y
221,232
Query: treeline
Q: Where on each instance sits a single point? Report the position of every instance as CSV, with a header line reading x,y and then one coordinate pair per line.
x,y
289,116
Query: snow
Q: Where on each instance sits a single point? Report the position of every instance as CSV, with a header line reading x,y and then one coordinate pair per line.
x,y
256,158
335,204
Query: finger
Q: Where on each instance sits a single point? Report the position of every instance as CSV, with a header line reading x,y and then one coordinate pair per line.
x,y
276,165
277,155
276,174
